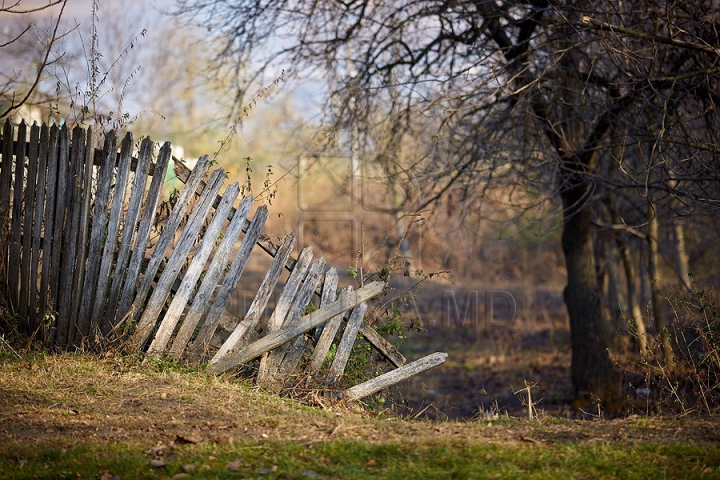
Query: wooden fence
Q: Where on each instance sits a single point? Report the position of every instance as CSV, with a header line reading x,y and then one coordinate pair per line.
x,y
79,267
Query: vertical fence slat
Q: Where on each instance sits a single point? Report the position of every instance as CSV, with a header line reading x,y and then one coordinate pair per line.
x,y
257,307
97,232
37,227
59,227
133,211
346,344
166,237
113,226
192,274
212,277
28,204
49,228
5,189
284,303
288,356
324,342
83,231
70,239
230,282
176,260
16,226
143,234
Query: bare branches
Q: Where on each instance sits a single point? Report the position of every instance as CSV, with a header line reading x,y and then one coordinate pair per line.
x,y
13,8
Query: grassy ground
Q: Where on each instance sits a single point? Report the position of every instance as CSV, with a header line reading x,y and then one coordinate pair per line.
x,y
76,416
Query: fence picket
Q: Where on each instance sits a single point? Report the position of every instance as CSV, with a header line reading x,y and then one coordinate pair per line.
x,y
113,226
97,233
143,234
177,258
323,344
29,210
257,307
37,227
131,217
49,227
346,344
182,295
202,298
15,232
5,190
230,282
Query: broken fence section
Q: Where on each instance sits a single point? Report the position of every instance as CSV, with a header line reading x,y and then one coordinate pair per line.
x,y
85,257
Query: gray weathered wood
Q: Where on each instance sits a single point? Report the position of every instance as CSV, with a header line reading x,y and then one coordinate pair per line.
x,y
5,188
49,227
288,356
97,233
29,204
192,274
83,229
257,307
382,345
284,304
70,237
177,258
230,282
346,301
111,235
168,233
322,347
16,228
346,344
329,293
131,218
63,167
391,378
143,233
212,278
37,226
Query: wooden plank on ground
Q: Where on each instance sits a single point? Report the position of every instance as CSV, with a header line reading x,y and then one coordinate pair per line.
x,y
230,282
49,222
111,235
131,218
37,227
97,233
382,345
212,278
83,228
70,238
346,301
329,330
257,307
16,226
192,274
391,378
345,346
143,233
179,254
284,304
167,235
29,210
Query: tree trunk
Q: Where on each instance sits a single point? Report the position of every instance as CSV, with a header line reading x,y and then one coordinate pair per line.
x,y
654,274
592,370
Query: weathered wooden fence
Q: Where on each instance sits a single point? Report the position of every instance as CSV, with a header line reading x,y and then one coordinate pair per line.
x,y
78,263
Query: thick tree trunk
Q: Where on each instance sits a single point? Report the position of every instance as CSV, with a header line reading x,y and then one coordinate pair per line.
x,y
654,274
592,370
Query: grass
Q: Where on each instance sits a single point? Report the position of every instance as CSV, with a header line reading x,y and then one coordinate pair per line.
x,y
78,416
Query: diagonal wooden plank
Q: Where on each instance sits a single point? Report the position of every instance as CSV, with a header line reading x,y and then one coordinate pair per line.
x,y
37,227
49,243
345,302
284,304
257,307
29,210
143,233
192,274
150,315
168,233
70,238
111,235
131,217
83,229
97,233
230,282
346,344
212,277
16,225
